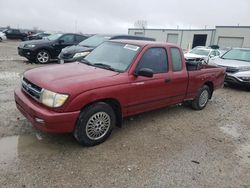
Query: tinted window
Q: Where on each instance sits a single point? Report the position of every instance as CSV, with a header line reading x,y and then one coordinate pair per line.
x,y
68,38
155,59
176,59
80,38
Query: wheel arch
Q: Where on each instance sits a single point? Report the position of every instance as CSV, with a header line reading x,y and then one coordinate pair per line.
x,y
115,105
211,88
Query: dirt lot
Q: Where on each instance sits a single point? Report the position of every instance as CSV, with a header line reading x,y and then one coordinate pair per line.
x,y
171,147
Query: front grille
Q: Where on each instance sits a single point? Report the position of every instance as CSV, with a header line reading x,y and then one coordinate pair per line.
x,y
31,89
230,69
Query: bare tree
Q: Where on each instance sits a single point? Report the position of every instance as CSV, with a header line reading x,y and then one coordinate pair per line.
x,y
141,24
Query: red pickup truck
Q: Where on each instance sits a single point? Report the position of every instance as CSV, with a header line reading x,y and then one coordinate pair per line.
x,y
117,79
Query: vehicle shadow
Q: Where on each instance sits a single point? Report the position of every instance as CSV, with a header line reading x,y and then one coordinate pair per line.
x,y
236,87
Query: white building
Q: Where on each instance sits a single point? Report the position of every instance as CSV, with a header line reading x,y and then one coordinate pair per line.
x,y
224,36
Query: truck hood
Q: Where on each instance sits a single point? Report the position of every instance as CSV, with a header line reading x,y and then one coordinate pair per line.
x,y
68,78
231,63
75,49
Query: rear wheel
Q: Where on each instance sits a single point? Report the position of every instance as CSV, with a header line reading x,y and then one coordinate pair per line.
x,y
202,98
95,124
1,39
42,56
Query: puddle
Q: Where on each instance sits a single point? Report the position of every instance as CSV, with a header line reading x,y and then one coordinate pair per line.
x,y
9,75
19,148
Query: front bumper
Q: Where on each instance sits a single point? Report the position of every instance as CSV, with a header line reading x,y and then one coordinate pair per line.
x,y
235,80
53,122
29,54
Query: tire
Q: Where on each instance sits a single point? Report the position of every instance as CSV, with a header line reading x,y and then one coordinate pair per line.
x,y
95,124
1,39
42,57
201,100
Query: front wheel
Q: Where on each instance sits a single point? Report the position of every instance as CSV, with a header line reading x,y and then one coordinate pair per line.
x,y
202,98
95,124
42,56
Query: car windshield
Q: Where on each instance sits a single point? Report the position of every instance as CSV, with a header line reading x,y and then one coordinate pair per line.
x,y
94,41
237,54
54,37
112,55
198,51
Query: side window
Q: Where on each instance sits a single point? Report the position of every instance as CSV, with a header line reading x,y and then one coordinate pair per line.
x,y
68,39
176,59
80,38
217,53
155,59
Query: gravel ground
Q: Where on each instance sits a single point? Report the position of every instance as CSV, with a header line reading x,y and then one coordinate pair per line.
x,y
171,147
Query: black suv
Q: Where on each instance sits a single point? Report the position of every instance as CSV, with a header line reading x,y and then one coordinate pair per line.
x,y
77,52
14,34
42,51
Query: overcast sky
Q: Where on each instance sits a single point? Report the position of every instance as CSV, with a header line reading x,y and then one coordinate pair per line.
x,y
116,16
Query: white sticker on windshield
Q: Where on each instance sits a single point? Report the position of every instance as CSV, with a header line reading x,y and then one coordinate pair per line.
x,y
131,47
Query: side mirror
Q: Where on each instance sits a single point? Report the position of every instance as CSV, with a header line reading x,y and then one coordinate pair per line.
x,y
145,72
61,41
211,56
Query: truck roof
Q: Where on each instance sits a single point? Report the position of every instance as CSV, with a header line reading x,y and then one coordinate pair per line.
x,y
143,43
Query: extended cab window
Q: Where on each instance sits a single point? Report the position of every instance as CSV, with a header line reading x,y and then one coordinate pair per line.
x,y
154,59
176,59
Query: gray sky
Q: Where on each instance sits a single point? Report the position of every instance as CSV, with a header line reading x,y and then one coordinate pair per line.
x,y
116,16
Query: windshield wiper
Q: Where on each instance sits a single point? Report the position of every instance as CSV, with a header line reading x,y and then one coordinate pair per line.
x,y
108,67
85,61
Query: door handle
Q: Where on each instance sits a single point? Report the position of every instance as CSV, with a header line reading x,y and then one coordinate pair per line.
x,y
167,80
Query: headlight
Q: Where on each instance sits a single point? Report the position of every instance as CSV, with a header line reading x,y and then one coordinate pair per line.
x,y
52,99
81,54
30,45
245,78
244,68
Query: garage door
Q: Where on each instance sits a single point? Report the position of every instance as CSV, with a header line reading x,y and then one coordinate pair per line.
x,y
172,38
230,42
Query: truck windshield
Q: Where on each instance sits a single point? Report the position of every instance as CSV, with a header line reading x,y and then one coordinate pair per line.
x,y
113,55
237,54
94,41
200,51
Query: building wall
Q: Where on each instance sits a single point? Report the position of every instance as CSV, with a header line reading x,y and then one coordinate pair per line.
x,y
185,37
233,32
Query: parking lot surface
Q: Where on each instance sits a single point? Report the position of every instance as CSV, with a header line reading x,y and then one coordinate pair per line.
x,y
171,147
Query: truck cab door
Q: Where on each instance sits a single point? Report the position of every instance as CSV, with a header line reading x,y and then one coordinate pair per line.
x,y
147,93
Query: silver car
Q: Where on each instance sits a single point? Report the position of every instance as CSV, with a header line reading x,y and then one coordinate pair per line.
x,y
202,54
237,64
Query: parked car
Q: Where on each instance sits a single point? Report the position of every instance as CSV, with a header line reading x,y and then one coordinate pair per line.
x,y
43,51
202,54
15,34
2,36
74,53
117,79
237,64
37,36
